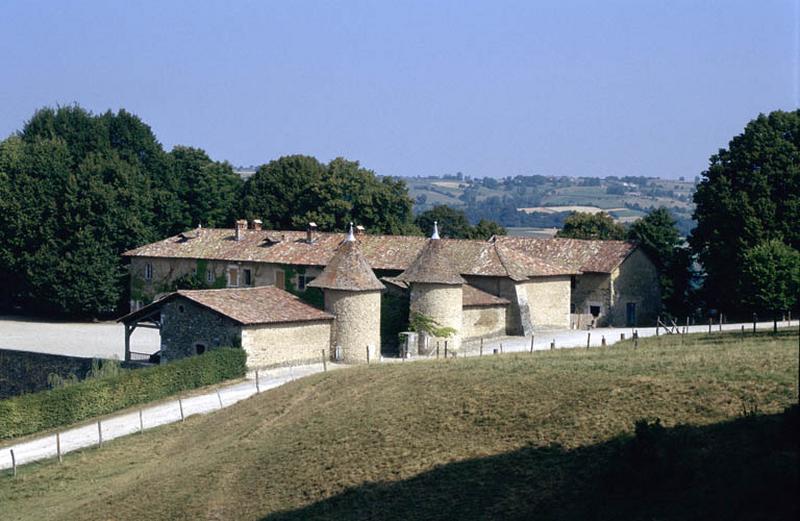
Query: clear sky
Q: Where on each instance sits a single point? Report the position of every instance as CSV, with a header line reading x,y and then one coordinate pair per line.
x,y
489,88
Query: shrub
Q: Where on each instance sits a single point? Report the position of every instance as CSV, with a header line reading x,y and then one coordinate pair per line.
x,y
34,412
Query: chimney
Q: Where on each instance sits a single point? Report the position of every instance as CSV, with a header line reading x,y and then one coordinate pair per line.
x,y
312,228
241,225
256,224
359,230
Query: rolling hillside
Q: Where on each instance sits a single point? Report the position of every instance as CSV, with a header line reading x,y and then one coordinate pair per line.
x,y
501,437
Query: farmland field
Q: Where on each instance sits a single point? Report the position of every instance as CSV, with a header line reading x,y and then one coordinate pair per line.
x,y
548,435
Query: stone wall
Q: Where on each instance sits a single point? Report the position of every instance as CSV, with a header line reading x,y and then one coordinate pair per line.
x,y
443,303
187,328
27,372
505,288
636,282
484,321
286,343
357,324
592,288
549,301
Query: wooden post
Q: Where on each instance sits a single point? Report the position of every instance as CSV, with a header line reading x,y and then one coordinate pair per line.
x,y
437,349
658,323
603,341
58,447
445,349
324,362
588,339
774,325
258,386
553,344
622,336
687,324
755,319
141,422
180,406
481,351
368,354
14,463
99,434
742,332
127,343
721,318
219,398
501,348
710,323
531,343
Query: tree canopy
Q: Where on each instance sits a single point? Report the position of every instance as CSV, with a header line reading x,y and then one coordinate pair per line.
x,y
453,224
582,225
770,279
292,191
749,195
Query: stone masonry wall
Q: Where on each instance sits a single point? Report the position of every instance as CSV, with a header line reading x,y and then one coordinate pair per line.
x,y
484,321
185,325
287,343
636,281
357,324
502,287
592,288
443,303
549,300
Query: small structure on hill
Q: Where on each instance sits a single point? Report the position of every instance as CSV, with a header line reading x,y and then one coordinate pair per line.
x,y
436,290
353,295
272,325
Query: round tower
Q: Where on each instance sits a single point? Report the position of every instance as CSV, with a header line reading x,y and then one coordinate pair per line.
x,y
353,295
436,290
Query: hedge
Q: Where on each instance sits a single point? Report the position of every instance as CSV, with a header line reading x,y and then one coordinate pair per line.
x,y
34,412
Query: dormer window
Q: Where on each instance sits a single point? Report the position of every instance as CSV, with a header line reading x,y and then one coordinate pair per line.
x,y
148,271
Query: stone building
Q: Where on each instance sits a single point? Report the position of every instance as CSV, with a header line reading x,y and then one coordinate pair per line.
x,y
353,295
272,326
436,289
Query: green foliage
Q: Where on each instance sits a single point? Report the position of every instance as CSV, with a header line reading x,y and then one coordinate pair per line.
x,y
770,278
425,324
34,412
750,194
453,224
581,225
78,189
292,191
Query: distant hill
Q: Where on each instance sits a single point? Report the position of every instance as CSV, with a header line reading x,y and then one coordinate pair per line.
x,y
544,201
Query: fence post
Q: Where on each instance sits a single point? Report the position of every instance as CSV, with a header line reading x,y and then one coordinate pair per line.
x,y
742,332
367,355
437,349
658,323
99,434
324,362
531,343
687,324
14,463
721,318
58,447
774,325
501,348
481,351
180,406
553,344
755,319
219,398
622,336
589,339
710,323
445,349
258,386
603,341
141,423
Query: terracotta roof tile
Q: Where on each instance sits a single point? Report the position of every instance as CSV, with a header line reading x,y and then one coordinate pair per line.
x,y
248,306
433,265
579,255
473,296
348,270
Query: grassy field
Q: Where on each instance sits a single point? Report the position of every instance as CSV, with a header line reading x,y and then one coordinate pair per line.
x,y
548,435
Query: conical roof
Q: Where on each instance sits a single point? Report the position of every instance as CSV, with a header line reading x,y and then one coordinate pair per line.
x,y
432,266
348,270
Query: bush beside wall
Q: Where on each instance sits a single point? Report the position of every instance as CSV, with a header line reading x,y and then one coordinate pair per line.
x,y
26,372
34,412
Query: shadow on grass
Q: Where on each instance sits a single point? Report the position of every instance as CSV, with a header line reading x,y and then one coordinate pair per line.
x,y
742,469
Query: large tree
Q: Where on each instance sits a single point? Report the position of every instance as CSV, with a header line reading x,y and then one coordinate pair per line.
x,y
292,191
770,281
582,225
749,194
453,223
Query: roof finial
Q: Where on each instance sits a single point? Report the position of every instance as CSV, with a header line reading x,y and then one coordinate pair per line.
x,y
350,236
435,235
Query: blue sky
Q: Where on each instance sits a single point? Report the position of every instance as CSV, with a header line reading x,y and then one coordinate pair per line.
x,y
486,88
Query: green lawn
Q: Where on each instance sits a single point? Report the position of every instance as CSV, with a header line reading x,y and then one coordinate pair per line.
x,y
546,436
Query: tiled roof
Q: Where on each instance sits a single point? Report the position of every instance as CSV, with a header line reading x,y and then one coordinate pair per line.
x,y
475,297
348,270
433,265
579,255
515,257
248,306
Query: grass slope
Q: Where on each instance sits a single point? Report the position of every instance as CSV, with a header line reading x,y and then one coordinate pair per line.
x,y
515,436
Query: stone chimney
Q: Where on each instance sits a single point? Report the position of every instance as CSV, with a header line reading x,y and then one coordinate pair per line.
x,y
241,225
311,232
256,224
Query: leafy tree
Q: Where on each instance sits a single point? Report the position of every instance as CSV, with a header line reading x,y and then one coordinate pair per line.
x,y
293,190
750,194
581,225
770,280
453,223
658,236
486,229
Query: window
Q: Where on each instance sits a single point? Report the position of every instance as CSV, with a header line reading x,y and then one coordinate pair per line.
x,y
180,308
209,276
148,271
233,276
199,348
594,310
248,277
302,281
